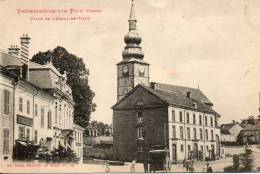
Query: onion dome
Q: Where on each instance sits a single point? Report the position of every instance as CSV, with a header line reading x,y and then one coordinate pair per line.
x,y
132,39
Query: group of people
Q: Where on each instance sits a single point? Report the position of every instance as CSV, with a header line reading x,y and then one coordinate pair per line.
x,y
188,164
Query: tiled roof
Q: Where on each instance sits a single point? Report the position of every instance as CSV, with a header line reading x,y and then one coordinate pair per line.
x,y
195,93
50,66
8,60
226,127
251,127
175,98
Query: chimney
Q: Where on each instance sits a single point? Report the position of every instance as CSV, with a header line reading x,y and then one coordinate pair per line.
x,y
188,94
25,41
13,50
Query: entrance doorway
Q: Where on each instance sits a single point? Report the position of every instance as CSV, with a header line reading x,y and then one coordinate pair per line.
x,y
174,153
195,151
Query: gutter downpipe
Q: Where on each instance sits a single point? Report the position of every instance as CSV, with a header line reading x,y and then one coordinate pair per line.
x,y
185,133
33,110
203,123
15,83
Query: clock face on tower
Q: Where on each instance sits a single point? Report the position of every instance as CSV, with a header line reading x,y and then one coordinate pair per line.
x,y
125,70
141,71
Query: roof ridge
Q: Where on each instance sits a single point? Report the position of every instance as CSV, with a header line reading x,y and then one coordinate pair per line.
x,y
178,86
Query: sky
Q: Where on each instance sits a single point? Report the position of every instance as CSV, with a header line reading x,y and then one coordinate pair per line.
x,y
210,44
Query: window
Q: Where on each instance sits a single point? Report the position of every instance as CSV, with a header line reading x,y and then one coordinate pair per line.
x,y
139,117
36,136
201,148
194,119
36,110
188,147
42,117
6,102
206,121
201,134
173,132
206,134
180,114
28,107
181,132
125,91
188,133
49,120
21,132
140,148
21,104
140,133
27,134
200,120
181,148
212,135
211,121
194,133
6,141
173,115
188,117
207,147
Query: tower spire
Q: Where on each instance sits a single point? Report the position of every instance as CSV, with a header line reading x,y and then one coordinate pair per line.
x,y
132,39
132,19
132,12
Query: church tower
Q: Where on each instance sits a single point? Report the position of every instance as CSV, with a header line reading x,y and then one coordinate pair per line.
x,y
132,70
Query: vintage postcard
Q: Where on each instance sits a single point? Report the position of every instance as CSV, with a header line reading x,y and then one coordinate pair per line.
x,y
107,86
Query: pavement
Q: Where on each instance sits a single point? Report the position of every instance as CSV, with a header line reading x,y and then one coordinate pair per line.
x,y
37,167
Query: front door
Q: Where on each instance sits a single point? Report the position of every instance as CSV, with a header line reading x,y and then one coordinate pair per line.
x,y
195,151
174,154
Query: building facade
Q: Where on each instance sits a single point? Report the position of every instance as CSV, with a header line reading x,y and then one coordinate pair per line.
x,y
38,106
153,114
229,133
132,70
7,111
78,142
250,134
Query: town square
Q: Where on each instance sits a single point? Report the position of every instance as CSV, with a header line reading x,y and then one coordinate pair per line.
x,y
132,86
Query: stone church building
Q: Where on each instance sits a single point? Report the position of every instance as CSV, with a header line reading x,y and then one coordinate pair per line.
x,y
154,114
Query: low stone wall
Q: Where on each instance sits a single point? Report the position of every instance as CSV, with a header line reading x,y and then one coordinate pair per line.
x,y
98,152
231,150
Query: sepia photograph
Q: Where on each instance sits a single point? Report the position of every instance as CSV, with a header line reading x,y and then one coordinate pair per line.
x,y
129,86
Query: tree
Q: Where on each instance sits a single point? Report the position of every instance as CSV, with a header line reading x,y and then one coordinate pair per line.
x,y
77,75
247,160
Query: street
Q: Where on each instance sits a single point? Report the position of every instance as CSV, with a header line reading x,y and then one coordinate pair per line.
x,y
33,167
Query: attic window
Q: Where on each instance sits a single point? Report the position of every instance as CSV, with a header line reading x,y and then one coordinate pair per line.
x,y
194,105
188,94
139,103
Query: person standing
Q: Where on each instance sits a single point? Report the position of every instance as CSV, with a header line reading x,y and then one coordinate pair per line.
x,y
145,166
209,168
107,168
132,168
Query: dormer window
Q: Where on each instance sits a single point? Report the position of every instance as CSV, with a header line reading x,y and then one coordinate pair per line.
x,y
194,105
139,103
140,117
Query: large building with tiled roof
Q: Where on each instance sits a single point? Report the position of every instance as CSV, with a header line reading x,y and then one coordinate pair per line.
x,y
149,115
229,133
38,105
